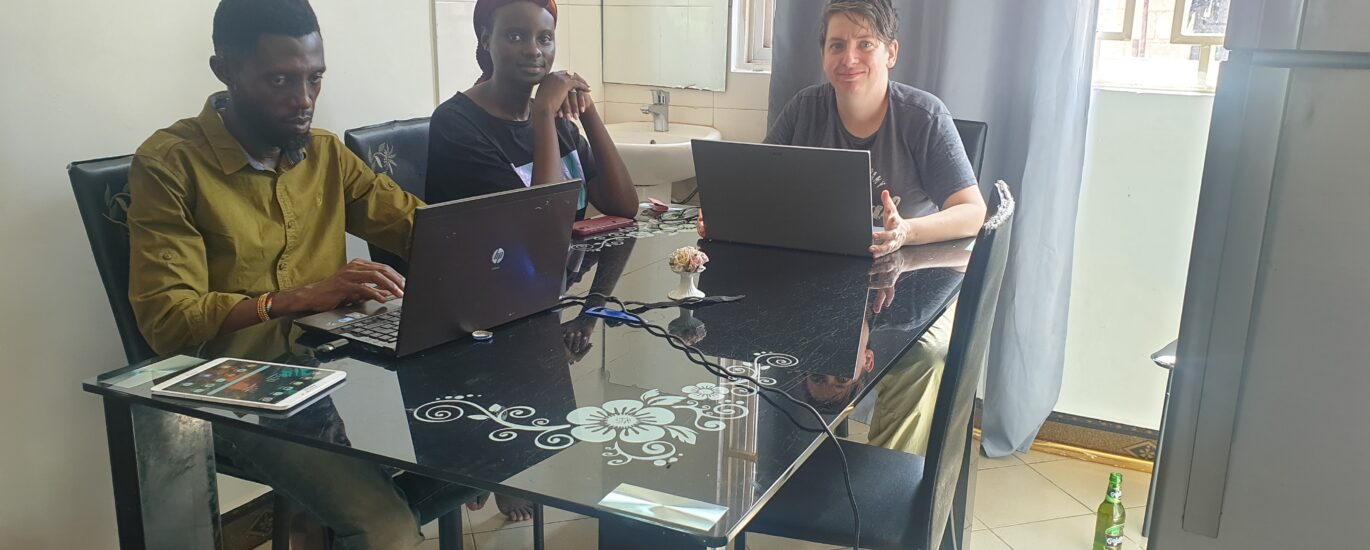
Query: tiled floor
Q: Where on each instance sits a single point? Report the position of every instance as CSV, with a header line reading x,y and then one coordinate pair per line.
x,y
1040,501
1035,501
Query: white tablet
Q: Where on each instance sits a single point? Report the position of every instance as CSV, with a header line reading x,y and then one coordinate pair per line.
x,y
253,384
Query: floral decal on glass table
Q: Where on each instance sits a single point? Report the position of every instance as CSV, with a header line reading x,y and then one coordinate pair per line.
x,y
652,428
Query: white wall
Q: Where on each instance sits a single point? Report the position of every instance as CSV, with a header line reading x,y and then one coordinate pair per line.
x,y
86,79
739,113
1143,165
680,43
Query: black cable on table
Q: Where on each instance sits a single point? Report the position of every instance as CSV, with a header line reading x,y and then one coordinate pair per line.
x,y
698,357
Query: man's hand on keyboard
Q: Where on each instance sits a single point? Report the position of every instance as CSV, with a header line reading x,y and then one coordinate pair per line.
x,y
358,281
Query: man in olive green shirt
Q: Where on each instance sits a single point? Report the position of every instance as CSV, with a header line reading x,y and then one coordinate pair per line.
x,y
211,229
222,215
246,206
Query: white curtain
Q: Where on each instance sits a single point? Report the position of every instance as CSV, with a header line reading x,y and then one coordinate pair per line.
x,y
1023,67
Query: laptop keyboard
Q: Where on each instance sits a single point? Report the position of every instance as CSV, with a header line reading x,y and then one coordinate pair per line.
x,y
384,327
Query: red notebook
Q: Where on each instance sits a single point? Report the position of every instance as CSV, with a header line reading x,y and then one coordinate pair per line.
x,y
595,226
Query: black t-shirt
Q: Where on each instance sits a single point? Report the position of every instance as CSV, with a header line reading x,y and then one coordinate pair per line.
x,y
473,153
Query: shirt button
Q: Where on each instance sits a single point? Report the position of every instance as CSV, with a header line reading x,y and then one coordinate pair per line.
x,y
290,224
168,255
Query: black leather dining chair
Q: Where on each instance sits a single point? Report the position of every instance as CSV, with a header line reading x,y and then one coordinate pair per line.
x,y
101,200
398,149
906,501
973,136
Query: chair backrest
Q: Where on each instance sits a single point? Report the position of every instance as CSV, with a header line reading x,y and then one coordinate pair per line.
x,y
100,198
973,136
966,357
398,149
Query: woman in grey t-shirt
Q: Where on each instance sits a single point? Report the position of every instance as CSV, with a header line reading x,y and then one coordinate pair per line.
x,y
922,184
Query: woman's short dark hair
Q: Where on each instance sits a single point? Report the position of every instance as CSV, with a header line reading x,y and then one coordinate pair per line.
x,y
239,24
878,14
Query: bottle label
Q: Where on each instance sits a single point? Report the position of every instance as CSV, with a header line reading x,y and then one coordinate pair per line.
x,y
1113,537
1115,495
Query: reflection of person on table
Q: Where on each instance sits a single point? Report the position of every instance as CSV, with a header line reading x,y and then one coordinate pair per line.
x,y
831,393
609,263
907,394
922,184
239,214
886,270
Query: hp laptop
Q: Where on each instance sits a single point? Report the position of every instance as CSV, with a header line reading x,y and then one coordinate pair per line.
x,y
473,264
791,197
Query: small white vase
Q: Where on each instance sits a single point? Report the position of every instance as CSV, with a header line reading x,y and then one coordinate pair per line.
x,y
686,288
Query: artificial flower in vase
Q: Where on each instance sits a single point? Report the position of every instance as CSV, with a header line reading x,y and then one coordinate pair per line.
x,y
688,261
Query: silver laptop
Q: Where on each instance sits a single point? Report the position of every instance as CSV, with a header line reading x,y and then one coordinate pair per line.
x,y
474,264
791,197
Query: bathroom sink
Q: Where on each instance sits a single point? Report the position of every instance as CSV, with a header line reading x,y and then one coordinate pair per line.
x,y
658,158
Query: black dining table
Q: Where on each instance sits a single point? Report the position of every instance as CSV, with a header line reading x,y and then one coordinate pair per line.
x,y
571,411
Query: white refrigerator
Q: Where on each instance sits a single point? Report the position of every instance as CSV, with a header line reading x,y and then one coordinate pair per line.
x,y
1267,438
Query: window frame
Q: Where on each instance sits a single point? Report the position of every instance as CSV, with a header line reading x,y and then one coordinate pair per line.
x,y
1205,42
1129,15
753,23
1179,36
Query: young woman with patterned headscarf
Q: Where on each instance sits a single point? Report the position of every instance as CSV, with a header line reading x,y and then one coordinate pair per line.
x,y
500,135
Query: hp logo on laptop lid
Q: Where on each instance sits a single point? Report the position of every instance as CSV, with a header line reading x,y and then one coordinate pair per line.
x,y
497,257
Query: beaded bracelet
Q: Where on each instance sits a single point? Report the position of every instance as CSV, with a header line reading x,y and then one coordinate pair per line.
x,y
263,311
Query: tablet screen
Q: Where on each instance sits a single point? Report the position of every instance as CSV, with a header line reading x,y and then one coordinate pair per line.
x,y
248,381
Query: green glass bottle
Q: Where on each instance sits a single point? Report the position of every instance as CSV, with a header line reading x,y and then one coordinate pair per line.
x,y
1108,529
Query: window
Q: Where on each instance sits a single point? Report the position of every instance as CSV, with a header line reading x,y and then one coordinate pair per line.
x,y
1160,44
752,34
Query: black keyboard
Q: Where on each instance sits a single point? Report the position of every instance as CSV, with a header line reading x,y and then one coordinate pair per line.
x,y
384,327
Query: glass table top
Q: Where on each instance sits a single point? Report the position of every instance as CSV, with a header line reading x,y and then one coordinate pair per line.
x,y
583,415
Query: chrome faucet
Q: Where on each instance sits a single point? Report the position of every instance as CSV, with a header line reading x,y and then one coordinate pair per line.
x,y
660,110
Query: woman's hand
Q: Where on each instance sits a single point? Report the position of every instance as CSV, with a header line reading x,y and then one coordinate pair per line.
x,y
577,102
885,272
575,334
553,92
896,232
562,94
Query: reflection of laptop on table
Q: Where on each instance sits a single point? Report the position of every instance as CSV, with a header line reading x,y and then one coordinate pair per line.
x,y
473,264
791,197
824,335
530,358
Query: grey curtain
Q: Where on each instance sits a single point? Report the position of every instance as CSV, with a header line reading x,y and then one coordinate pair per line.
x,y
1023,67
